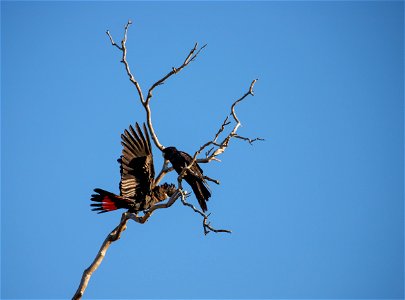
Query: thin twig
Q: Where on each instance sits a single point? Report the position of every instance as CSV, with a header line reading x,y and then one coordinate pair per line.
x,y
112,41
190,57
211,179
250,141
206,225
208,228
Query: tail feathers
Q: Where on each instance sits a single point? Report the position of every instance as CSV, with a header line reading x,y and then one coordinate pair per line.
x,y
106,201
205,190
201,192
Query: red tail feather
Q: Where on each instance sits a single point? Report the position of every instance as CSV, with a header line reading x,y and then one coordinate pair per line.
x,y
106,201
108,204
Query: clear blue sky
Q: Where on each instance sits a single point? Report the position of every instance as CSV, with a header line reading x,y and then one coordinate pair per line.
x,y
316,210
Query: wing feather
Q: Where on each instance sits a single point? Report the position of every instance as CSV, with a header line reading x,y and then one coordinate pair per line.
x,y
147,137
128,142
138,142
137,170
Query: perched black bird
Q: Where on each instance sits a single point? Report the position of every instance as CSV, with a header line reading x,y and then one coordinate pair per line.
x,y
179,160
137,187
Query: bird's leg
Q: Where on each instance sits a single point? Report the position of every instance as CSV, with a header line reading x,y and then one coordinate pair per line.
x,y
211,179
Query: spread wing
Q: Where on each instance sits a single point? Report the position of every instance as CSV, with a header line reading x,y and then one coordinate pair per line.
x,y
137,171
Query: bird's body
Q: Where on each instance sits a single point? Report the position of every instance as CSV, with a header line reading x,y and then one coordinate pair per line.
x,y
195,178
138,190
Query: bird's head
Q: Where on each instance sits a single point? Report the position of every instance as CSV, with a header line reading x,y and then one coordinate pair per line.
x,y
168,152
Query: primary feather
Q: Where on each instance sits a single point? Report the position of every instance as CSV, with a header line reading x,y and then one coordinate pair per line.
x,y
138,190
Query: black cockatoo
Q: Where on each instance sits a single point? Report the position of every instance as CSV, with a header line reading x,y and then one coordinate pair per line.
x,y
137,186
195,179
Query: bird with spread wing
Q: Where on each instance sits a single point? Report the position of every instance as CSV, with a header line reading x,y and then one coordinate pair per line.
x,y
138,190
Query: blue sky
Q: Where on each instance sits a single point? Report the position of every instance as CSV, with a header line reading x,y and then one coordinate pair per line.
x,y
316,210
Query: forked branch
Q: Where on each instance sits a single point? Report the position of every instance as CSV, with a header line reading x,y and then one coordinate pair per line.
x,y
219,147
192,55
211,154
206,224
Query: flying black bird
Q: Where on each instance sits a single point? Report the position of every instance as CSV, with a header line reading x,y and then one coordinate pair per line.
x,y
179,160
137,186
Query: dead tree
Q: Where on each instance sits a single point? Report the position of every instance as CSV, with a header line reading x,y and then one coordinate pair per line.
x,y
215,147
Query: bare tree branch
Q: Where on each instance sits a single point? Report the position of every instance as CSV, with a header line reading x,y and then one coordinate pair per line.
x,y
123,49
250,141
165,169
190,57
112,41
208,228
114,236
145,103
219,148
210,155
206,225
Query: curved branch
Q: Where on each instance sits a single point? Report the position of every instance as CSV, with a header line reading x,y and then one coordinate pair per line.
x,y
165,169
150,126
190,57
123,49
